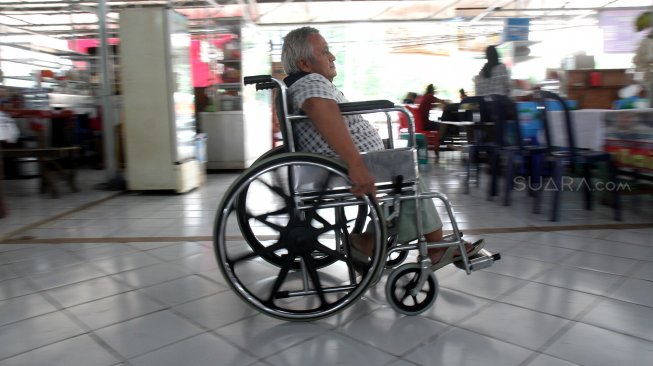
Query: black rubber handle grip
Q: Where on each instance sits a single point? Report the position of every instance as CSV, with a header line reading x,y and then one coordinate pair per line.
x,y
366,105
496,256
257,79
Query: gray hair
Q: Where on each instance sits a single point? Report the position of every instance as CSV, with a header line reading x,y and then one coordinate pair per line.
x,y
296,47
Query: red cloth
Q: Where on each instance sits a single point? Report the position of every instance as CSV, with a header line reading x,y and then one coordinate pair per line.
x,y
425,106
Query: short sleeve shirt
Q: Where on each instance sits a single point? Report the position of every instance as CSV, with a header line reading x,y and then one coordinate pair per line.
x,y
308,137
497,83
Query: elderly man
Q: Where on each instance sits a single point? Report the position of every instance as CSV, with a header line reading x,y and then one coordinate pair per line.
x,y
310,67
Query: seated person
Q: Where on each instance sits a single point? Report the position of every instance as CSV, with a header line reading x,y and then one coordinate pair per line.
x,y
310,67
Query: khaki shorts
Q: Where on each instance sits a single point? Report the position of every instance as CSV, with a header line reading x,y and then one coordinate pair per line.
x,y
405,226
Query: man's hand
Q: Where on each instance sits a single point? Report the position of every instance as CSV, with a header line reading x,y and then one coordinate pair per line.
x,y
362,180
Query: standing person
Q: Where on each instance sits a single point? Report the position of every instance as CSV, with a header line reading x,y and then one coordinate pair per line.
x,y
494,77
429,100
310,67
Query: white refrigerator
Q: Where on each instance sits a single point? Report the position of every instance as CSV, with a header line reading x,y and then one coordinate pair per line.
x,y
158,101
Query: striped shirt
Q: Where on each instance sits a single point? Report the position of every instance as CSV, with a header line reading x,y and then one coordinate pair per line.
x,y
497,83
308,137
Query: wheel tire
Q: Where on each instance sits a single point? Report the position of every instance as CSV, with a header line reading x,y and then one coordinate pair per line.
x,y
401,282
304,272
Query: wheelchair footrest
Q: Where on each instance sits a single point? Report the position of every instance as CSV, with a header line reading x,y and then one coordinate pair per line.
x,y
483,259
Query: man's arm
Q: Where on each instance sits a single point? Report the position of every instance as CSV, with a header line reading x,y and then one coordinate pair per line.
x,y
325,115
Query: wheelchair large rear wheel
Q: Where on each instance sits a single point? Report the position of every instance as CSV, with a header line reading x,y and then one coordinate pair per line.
x,y
275,182
300,212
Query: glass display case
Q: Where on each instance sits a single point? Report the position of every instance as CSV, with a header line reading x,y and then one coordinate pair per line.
x,y
237,119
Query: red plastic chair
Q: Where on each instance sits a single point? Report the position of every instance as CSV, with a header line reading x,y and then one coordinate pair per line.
x,y
432,137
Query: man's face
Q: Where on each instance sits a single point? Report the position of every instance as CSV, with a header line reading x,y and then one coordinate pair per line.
x,y
323,58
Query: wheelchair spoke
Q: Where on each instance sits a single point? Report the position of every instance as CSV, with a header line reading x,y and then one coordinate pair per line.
x,y
262,219
330,252
281,277
312,272
257,253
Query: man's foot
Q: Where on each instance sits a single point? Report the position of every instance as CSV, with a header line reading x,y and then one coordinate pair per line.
x,y
364,243
361,249
440,257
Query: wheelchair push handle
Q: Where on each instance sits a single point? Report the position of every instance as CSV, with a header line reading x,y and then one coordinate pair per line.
x,y
256,79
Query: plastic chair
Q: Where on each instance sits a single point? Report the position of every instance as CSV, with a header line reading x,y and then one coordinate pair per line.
x,y
574,160
487,138
432,137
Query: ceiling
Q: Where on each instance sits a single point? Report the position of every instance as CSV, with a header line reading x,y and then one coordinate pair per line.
x,y
68,19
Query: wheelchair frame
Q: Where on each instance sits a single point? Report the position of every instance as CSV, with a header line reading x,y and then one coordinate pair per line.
x,y
305,226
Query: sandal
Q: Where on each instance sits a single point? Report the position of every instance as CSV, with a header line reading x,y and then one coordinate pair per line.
x,y
448,256
359,260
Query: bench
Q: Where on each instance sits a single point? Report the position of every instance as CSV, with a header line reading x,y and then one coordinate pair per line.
x,y
49,163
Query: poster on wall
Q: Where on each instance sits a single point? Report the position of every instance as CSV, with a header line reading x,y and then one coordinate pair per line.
x,y
619,33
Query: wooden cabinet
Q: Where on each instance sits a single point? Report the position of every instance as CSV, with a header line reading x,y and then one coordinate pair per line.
x,y
595,88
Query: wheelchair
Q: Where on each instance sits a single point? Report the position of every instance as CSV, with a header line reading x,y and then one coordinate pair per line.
x,y
283,230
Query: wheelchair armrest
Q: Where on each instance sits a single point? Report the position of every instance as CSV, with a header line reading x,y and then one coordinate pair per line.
x,y
365,106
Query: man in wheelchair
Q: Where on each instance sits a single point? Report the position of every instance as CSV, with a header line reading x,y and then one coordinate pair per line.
x,y
310,67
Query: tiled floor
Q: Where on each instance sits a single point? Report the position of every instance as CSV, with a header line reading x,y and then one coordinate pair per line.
x,y
104,278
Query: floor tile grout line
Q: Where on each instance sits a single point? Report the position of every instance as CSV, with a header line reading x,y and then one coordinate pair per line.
x,y
506,230
82,207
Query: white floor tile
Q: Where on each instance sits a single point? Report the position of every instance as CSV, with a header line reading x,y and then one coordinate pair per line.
x,y
179,250
15,287
125,262
81,350
85,291
589,345
465,348
202,350
151,275
122,290
636,291
216,310
579,279
66,276
601,263
262,335
519,267
528,328
622,317
114,309
406,331
546,360
35,332
481,283
182,290
551,300
23,307
330,349
452,306
138,336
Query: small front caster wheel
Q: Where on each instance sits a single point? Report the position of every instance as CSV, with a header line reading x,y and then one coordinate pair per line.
x,y
402,293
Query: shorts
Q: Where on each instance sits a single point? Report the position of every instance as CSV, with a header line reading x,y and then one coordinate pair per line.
x,y
405,226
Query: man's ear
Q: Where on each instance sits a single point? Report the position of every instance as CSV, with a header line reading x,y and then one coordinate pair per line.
x,y
304,65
